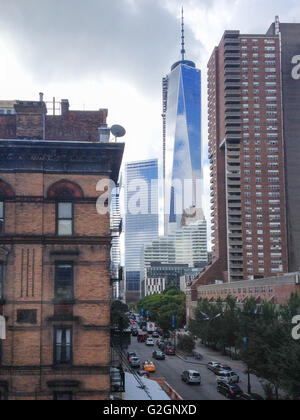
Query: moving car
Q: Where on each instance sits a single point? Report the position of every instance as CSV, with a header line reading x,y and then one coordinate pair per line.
x,y
228,377
134,333
135,362
149,342
191,377
230,391
142,337
158,355
170,351
155,335
149,366
213,366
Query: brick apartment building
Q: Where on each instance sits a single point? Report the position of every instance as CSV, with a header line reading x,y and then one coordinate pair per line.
x,y
54,253
254,151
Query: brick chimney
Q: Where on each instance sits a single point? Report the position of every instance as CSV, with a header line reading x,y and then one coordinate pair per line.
x,y
30,119
64,106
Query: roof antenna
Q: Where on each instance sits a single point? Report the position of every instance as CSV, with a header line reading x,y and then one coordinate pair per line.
x,y
182,35
277,25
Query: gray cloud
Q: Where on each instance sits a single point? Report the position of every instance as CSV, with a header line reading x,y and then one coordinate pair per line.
x,y
57,40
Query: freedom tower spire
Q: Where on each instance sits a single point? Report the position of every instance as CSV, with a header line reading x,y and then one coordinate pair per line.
x,y
182,35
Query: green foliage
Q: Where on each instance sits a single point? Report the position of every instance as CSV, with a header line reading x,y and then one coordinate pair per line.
x,y
118,315
162,307
186,343
269,351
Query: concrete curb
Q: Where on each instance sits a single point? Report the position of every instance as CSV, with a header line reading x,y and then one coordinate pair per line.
x,y
190,361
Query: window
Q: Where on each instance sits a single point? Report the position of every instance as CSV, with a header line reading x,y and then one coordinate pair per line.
x,y
63,396
1,217
27,316
63,345
1,282
65,219
64,289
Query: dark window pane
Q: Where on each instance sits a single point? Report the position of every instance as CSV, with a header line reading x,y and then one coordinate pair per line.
x,y
63,396
26,316
64,281
1,281
63,345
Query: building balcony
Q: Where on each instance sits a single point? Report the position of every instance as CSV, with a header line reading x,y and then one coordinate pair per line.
x,y
231,151
234,191
234,206
233,107
229,63
237,259
235,235
233,116
232,92
233,160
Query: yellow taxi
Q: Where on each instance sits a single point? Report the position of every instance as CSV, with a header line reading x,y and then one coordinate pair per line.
x,y
149,366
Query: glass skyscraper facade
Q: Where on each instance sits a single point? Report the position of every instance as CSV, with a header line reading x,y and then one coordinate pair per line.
x,y
182,157
141,218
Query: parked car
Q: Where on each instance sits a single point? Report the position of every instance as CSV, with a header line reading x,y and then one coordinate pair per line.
x,y
230,391
130,354
213,366
222,368
134,333
160,344
149,342
251,397
135,362
191,377
158,355
170,351
149,366
228,377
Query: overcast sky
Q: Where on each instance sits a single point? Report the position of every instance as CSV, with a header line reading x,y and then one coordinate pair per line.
x,y
113,53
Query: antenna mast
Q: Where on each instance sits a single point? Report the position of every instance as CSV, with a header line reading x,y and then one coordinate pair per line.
x,y
182,35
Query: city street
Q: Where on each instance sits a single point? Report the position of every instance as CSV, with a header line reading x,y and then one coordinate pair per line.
x,y
173,366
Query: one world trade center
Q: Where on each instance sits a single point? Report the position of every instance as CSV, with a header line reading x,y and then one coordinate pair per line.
x,y
182,151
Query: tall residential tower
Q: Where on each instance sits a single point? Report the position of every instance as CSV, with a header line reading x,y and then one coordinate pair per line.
x,y
254,150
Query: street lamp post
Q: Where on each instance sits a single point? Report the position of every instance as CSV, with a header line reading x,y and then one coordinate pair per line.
x,y
173,326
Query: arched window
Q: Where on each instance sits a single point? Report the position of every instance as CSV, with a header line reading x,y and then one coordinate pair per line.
x,y
6,192
64,192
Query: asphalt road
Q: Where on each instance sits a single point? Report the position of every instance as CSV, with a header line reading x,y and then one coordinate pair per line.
x,y
171,369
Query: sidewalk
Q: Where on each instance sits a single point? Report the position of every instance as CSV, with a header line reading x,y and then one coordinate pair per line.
x,y
210,355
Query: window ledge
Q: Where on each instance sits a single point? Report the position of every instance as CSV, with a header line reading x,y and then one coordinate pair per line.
x,y
64,301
